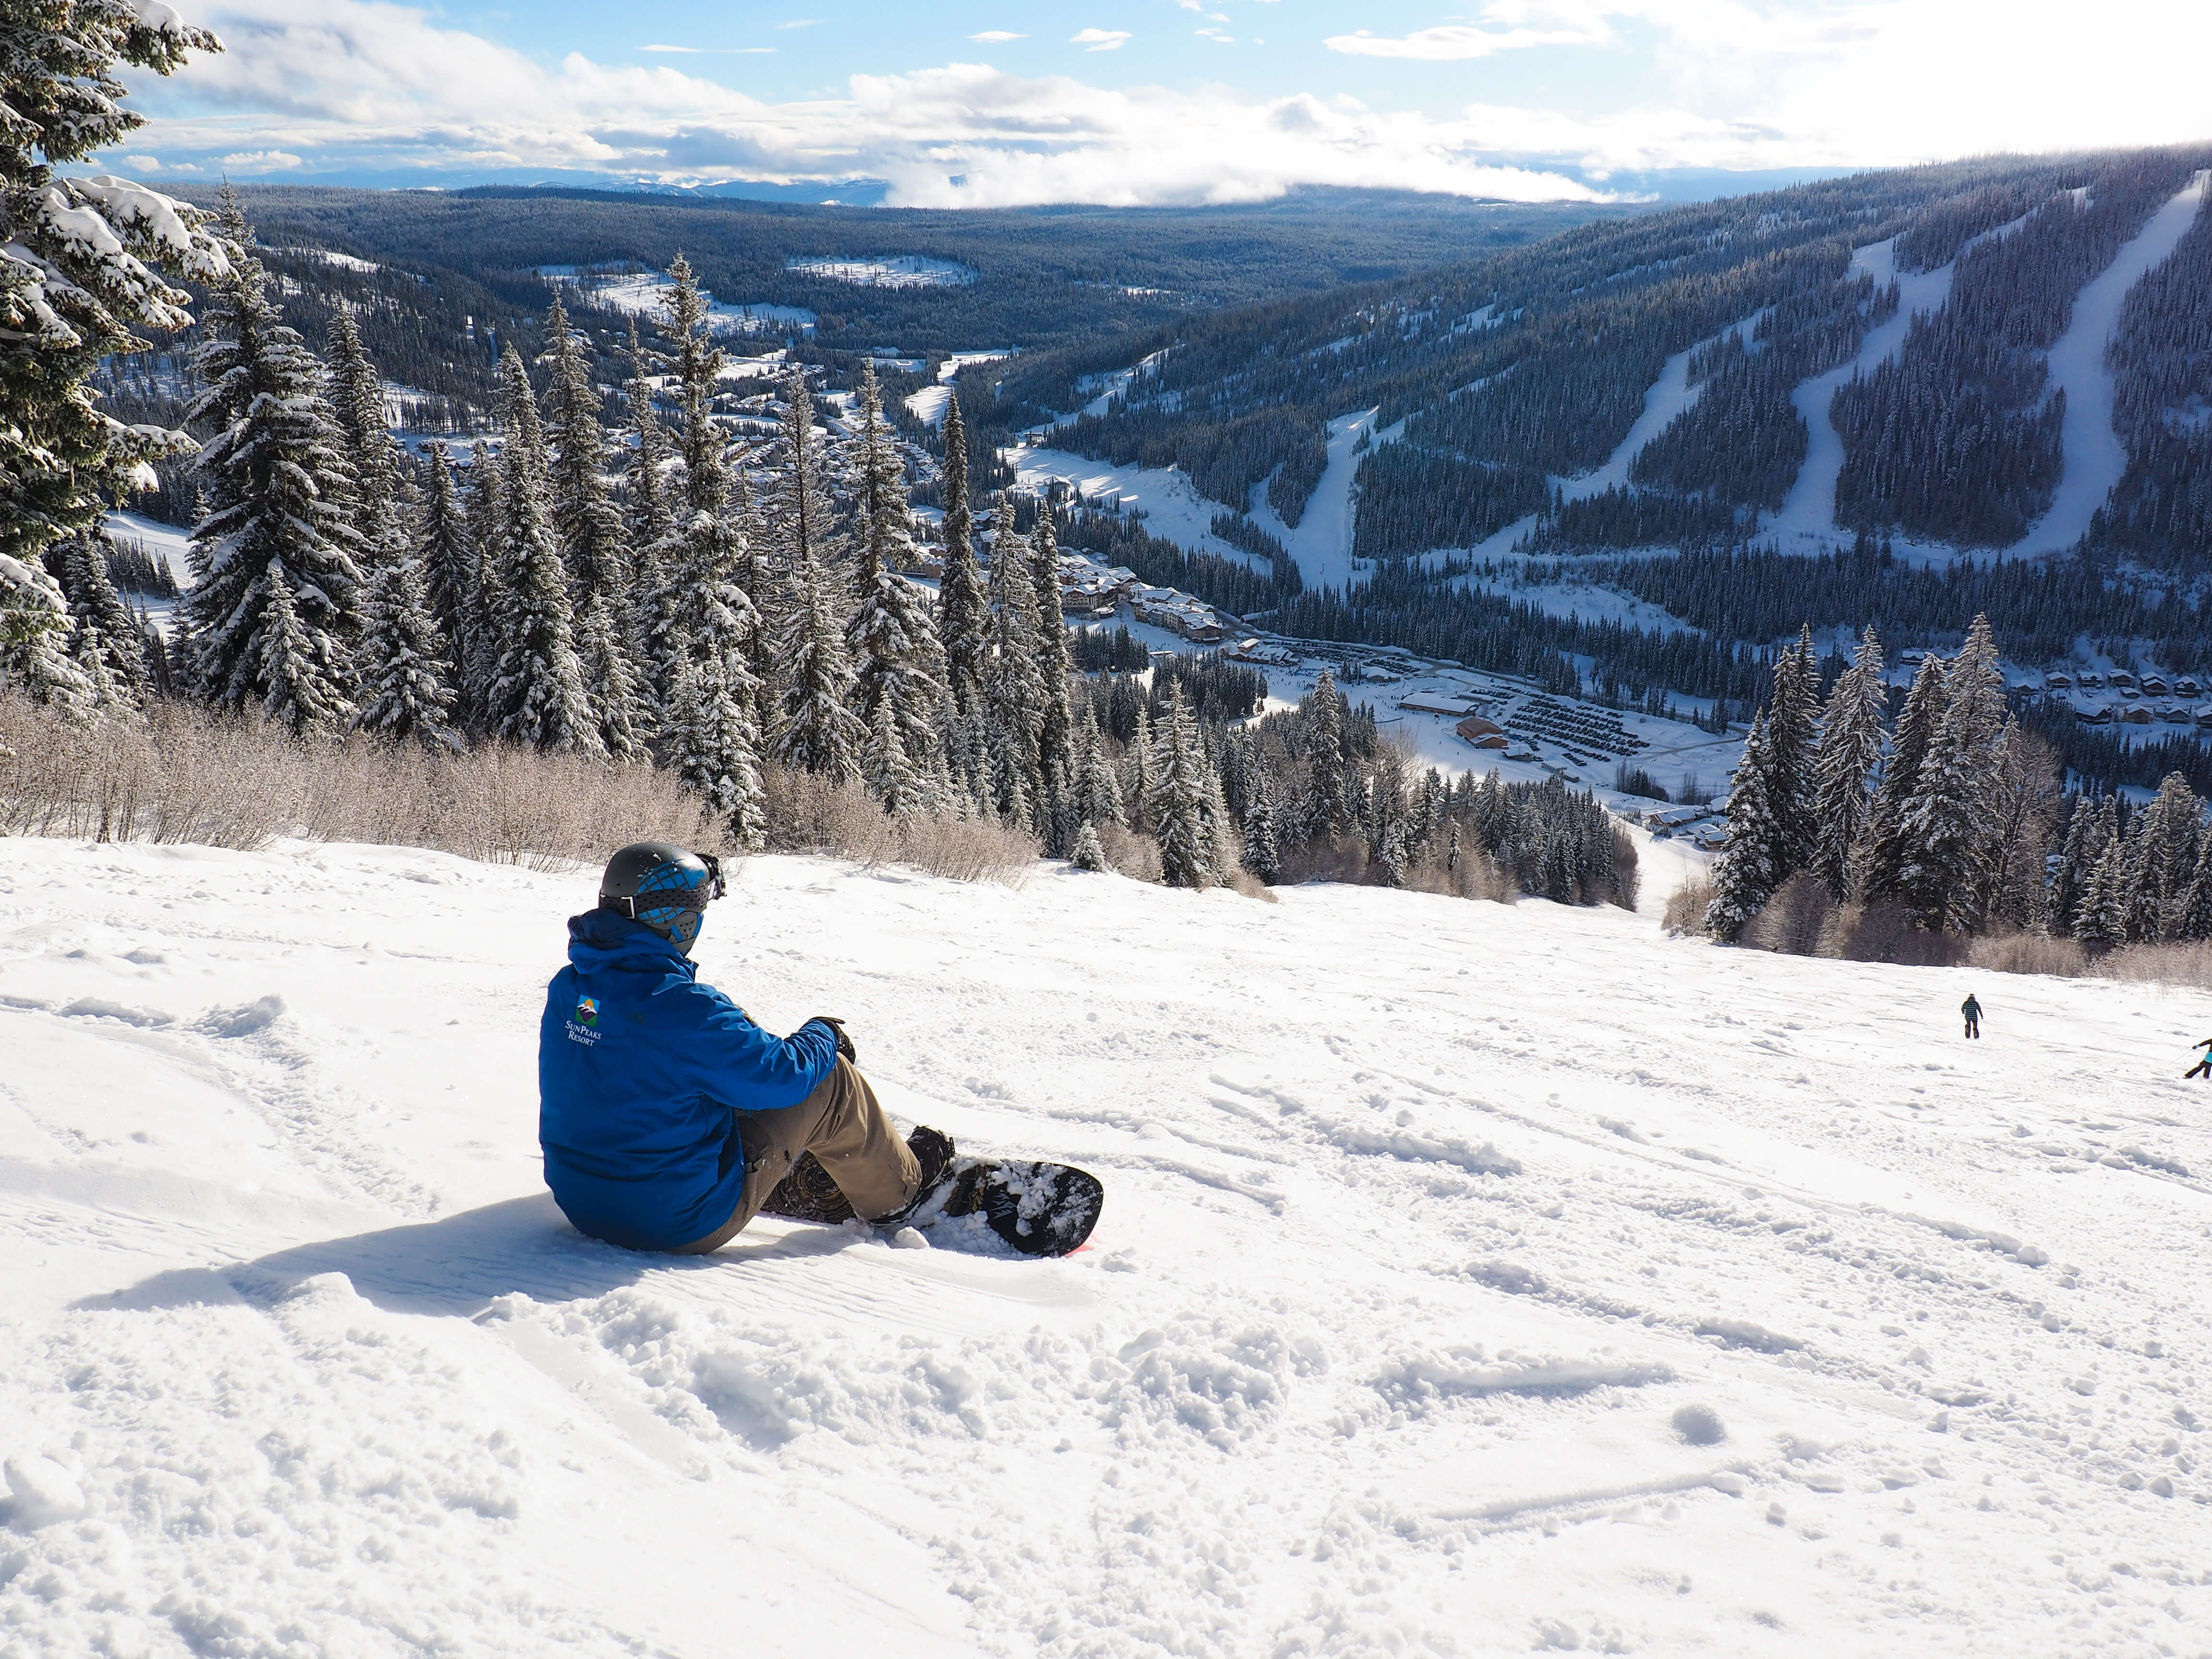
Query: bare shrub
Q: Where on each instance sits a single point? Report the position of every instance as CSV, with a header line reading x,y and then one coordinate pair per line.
x,y
1476,876
2189,963
1244,881
1795,921
1887,933
2028,953
1627,874
1344,861
806,812
1132,852
1688,905
970,849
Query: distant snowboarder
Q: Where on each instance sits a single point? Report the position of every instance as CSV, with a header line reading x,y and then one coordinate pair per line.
x,y
1972,1011
668,1118
2204,1067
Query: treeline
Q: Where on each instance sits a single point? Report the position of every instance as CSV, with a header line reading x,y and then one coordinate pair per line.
x,y
1412,499
1229,584
2161,352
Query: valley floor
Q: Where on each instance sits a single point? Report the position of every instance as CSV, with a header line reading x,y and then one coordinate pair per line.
x,y
1425,1218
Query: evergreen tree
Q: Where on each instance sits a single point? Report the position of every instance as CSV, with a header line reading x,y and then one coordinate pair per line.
x,y
1016,688
961,618
1056,721
34,638
276,485
2083,846
298,680
818,730
79,265
103,623
889,771
1850,749
1948,824
1178,806
1889,846
1090,852
648,524
538,696
711,742
1748,869
451,578
589,523
2170,829
1329,811
405,689
1262,856
2194,922
2100,920
885,523
897,660
1791,722
1097,792
616,694
698,368
372,459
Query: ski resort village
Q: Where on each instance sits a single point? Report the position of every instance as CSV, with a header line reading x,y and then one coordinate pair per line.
x,y
1257,833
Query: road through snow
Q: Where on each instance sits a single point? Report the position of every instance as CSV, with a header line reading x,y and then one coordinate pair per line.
x,y
2094,456
1427,1220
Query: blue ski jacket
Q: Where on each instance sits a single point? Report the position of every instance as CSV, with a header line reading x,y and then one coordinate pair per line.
x,y
642,1072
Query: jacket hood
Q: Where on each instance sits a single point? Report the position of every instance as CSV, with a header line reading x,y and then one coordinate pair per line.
x,y
600,939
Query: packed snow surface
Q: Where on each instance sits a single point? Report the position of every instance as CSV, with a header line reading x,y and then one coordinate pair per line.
x,y
1321,541
2095,459
1473,1280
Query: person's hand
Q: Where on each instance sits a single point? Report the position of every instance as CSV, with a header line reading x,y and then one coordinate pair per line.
x,y
844,1043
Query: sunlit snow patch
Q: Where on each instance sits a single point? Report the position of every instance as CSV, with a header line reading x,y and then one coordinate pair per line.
x,y
884,271
645,293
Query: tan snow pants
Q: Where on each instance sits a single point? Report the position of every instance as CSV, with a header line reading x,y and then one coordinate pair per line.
x,y
844,1125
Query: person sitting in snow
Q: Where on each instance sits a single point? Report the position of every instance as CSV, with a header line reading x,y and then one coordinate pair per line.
x,y
668,1118
1972,1011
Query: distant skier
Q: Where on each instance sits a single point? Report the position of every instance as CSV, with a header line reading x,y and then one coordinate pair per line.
x,y
2204,1067
667,1117
1972,1011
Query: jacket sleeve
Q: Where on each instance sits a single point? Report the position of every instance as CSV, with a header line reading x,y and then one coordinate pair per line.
x,y
736,1062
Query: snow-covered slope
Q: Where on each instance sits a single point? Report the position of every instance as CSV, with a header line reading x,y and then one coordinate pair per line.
x,y
1426,1218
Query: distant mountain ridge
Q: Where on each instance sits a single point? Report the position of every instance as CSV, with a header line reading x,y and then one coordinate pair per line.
x,y
1896,354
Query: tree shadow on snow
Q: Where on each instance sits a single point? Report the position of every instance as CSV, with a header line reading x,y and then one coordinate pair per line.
x,y
460,1263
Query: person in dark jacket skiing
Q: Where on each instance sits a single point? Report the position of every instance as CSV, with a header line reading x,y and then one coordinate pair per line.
x,y
666,1115
2204,1067
1972,1011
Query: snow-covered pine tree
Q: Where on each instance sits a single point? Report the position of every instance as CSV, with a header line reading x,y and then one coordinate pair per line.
x,y
34,638
2022,803
897,661
102,623
1097,790
1888,843
537,696
406,690
962,621
1015,687
1179,802
890,772
1262,855
451,578
1842,773
1792,721
1137,793
1090,852
649,519
1747,871
1948,823
294,672
2171,827
80,259
1329,808
589,523
698,368
276,486
616,697
2100,920
711,742
2069,877
818,730
2194,918
372,459
884,521
1056,724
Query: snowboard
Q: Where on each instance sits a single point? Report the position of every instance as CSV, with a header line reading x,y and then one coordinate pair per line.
x,y
1039,1208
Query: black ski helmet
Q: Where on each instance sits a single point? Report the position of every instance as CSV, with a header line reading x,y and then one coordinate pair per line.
x,y
663,887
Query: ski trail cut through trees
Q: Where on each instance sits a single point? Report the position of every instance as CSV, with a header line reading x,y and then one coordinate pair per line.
x,y
2094,457
1668,397
1810,510
1322,544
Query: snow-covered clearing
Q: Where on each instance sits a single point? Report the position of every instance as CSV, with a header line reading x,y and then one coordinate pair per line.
x,y
1173,508
2095,458
645,293
885,270
1321,543
928,404
1427,1220
1667,397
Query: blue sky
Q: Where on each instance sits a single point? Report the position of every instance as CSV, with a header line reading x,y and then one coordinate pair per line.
x,y
990,103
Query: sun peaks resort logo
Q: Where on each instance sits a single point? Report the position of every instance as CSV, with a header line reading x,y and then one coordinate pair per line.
x,y
587,1010
584,1026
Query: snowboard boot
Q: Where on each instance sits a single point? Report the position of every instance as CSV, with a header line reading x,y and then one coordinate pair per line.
x,y
807,1193
950,1185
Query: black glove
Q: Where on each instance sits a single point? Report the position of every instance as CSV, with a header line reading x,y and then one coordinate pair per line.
x,y
844,1044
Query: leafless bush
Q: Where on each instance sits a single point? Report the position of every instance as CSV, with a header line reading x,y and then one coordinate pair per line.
x,y
1476,876
2028,953
1887,933
805,812
1688,905
2187,963
1244,881
1796,922
1130,852
969,849
1627,876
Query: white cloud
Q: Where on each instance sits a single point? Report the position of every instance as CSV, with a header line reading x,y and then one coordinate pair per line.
x,y
1451,41
689,49
1100,39
260,161
1720,83
992,37
142,163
